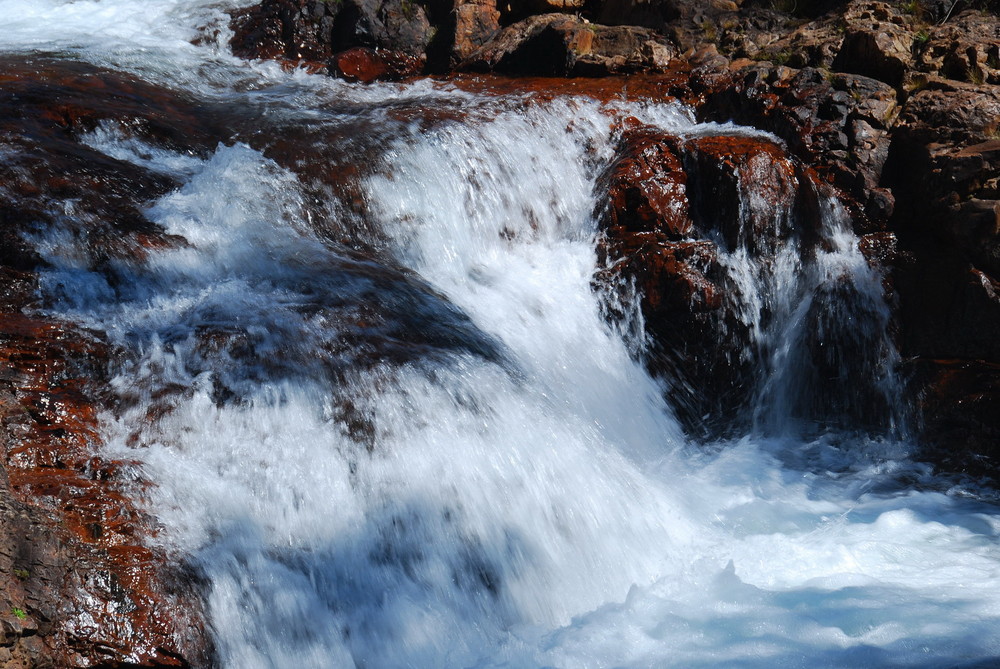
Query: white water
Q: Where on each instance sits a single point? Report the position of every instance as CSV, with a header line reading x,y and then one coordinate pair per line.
x,y
514,491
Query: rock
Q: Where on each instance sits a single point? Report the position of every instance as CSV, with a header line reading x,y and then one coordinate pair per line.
x,y
515,10
966,48
672,210
368,65
646,186
63,512
874,46
560,45
742,189
317,30
958,404
475,24
951,112
837,123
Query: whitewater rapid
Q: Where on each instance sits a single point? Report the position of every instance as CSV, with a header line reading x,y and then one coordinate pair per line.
x,y
442,455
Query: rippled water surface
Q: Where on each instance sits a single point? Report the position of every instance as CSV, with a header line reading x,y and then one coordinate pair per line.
x,y
389,423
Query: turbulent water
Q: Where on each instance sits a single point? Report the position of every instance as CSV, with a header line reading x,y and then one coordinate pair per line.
x,y
437,453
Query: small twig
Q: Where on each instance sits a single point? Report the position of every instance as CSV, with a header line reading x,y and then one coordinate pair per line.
x,y
950,10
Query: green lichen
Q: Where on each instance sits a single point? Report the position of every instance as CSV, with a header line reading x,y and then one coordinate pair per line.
x,y
18,613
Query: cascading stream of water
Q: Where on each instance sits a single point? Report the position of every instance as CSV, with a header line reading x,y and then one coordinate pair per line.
x,y
442,455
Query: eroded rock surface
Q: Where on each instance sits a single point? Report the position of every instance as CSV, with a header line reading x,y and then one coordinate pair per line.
x,y
81,588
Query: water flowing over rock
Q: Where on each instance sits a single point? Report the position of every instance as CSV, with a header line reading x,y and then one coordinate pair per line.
x,y
521,363
76,569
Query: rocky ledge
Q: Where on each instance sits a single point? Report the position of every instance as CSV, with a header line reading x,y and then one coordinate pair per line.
x,y
892,106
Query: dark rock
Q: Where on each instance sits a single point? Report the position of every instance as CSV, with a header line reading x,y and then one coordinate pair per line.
x,y
837,123
961,424
316,30
647,186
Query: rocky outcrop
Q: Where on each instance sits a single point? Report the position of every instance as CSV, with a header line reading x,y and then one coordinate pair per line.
x,y
677,214
838,123
318,31
893,106
80,586
560,45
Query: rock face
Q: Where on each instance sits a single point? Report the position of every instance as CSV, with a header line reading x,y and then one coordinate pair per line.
x,y
559,45
892,105
80,586
318,31
684,221
839,124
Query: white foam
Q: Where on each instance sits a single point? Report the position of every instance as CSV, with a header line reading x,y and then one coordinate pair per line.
x,y
525,501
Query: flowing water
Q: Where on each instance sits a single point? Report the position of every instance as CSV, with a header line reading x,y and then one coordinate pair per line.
x,y
434,451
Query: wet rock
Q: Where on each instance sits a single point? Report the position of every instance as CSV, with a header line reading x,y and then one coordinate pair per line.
x,y
837,123
560,45
317,30
647,185
743,189
368,65
64,514
675,213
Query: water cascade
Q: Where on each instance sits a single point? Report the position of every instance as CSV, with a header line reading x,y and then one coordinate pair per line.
x,y
395,428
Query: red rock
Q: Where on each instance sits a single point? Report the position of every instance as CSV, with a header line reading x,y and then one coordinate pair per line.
x,y
476,23
646,185
744,187
368,65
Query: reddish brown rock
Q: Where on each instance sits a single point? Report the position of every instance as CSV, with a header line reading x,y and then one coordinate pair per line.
x,y
368,65
646,186
561,45
79,568
745,188
476,22
73,555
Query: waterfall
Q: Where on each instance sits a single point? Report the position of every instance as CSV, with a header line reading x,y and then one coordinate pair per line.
x,y
397,430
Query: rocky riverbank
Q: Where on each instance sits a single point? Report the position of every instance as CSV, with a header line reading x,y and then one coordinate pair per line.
x,y
892,106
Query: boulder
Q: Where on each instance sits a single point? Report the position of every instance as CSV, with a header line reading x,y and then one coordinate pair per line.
x,y
317,30
646,185
561,45
476,22
742,190
674,213
837,123
367,65
876,46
